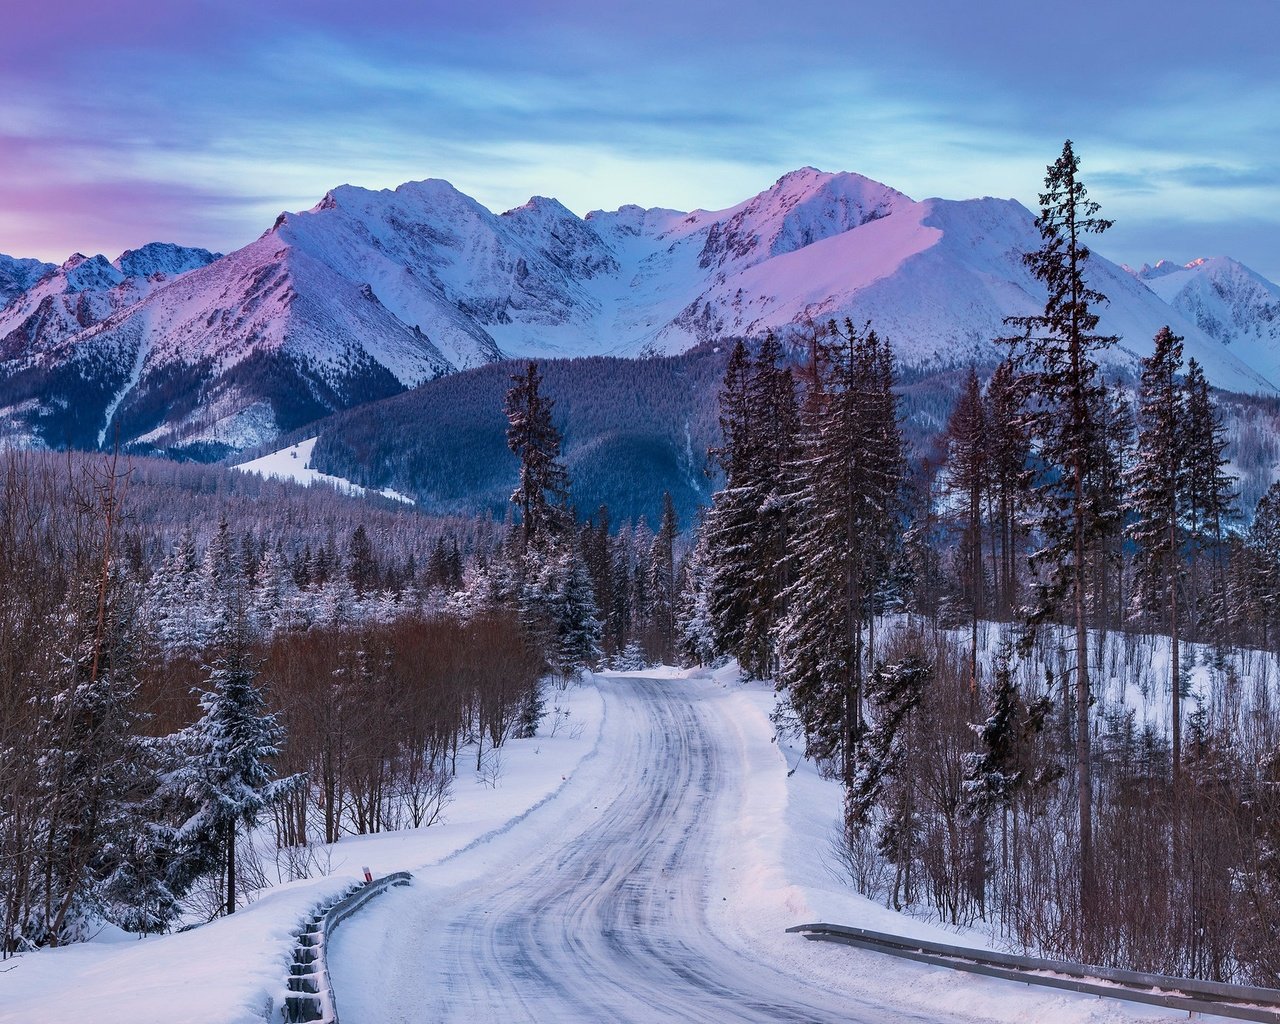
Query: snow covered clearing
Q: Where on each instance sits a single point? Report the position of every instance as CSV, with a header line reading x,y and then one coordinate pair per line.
x,y
233,970
658,885
294,463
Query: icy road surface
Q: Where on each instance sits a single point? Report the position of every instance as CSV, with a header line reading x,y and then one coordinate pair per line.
x,y
595,907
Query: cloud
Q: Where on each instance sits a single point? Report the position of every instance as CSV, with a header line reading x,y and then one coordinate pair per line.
x,y
201,120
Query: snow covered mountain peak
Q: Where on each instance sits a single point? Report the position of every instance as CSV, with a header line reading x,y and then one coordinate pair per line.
x,y
1226,300
163,258
17,275
802,207
373,291
87,273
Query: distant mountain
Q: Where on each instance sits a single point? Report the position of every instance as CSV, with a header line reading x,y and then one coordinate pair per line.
x,y
1227,301
371,293
84,291
16,276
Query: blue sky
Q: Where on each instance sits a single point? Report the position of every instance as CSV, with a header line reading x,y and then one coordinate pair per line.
x,y
198,122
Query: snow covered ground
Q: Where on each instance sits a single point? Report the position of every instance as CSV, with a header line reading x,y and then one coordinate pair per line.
x,y
294,463
658,885
233,970
640,860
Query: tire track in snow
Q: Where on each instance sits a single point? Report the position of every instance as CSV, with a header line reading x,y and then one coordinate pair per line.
x,y
599,914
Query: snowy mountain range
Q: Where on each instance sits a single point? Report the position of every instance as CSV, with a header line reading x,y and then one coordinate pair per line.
x,y
1226,300
370,293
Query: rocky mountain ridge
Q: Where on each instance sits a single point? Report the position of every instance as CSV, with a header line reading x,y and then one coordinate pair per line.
x,y
373,292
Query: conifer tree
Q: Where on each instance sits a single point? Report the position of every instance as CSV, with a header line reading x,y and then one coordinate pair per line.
x,y
695,631
572,609
1157,484
1263,549
175,598
227,780
1057,354
221,582
1106,485
732,520
967,458
1211,498
88,771
884,776
849,472
543,489
662,580
748,526
775,417
1009,450
1005,764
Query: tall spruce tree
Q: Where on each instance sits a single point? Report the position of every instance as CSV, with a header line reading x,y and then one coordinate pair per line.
x,y
227,780
732,522
662,581
1009,450
1106,485
967,474
774,412
543,488
1261,593
1211,497
1158,482
849,472
1057,354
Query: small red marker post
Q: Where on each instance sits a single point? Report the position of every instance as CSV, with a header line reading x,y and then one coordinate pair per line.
x,y
368,875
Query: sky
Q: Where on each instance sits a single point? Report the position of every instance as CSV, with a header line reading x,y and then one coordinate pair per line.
x,y
198,122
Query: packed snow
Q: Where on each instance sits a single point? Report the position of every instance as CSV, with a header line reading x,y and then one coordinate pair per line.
x,y
640,860
657,885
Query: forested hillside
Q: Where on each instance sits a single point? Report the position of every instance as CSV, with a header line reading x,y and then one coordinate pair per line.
x,y
632,429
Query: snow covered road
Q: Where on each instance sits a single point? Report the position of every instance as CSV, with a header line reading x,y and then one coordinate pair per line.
x,y
595,908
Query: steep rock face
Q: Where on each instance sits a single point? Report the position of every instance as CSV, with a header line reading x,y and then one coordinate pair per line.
x,y
1227,301
372,292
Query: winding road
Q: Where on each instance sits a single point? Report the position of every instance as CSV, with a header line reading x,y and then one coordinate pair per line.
x,y
605,922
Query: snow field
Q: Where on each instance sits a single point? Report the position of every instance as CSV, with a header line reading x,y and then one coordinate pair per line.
x,y
233,970
294,463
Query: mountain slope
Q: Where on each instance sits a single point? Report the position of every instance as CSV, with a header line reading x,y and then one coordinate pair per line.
x,y
372,292
17,275
631,429
1227,301
231,353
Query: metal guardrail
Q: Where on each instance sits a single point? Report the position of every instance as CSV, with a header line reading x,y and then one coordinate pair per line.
x,y
310,991
1242,1002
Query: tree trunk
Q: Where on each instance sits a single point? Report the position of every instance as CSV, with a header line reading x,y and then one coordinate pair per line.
x,y
1083,759
231,868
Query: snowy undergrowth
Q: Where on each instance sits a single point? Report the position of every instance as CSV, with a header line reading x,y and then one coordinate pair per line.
x,y
233,970
778,868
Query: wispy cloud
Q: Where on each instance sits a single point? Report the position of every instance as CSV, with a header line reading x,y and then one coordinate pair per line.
x,y
198,121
